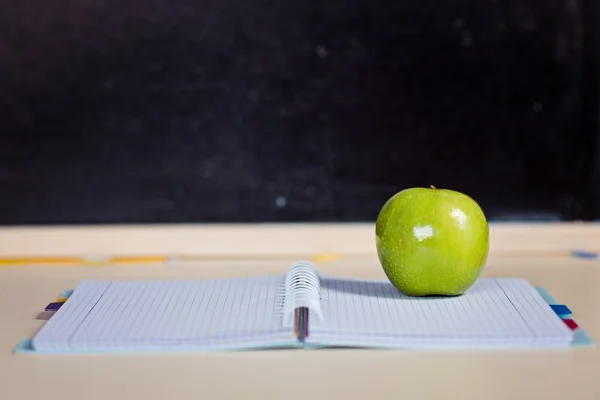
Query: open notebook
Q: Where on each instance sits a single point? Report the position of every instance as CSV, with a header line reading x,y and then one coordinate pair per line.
x,y
262,312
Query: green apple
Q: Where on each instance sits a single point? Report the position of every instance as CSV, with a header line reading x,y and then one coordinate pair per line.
x,y
432,241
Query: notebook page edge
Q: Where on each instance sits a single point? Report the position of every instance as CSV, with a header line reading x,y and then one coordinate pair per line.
x,y
527,300
61,326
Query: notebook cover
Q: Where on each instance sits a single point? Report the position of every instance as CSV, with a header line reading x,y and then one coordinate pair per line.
x,y
580,339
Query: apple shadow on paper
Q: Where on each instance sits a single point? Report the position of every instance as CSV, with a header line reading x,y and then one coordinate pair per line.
x,y
370,288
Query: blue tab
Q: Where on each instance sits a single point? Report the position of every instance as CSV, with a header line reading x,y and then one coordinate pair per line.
x,y
584,254
560,309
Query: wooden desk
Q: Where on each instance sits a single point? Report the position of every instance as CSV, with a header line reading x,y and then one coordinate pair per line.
x,y
540,253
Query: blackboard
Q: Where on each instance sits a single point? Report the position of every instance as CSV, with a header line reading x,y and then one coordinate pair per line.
x,y
239,111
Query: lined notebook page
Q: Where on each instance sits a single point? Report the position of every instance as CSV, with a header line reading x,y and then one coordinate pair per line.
x,y
167,314
494,312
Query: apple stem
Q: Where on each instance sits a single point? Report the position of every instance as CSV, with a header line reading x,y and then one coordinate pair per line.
x,y
431,186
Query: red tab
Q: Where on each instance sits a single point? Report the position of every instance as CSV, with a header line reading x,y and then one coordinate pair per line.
x,y
571,324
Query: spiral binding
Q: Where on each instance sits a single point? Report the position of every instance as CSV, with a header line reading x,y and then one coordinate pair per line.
x,y
302,289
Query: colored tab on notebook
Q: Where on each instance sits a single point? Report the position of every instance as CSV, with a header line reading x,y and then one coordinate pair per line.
x,y
45,315
60,300
571,324
53,306
560,309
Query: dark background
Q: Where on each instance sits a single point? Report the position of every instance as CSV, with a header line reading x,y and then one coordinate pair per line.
x,y
245,111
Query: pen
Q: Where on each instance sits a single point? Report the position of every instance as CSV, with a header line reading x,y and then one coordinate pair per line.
x,y
90,261
301,323
115,260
